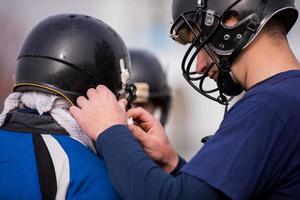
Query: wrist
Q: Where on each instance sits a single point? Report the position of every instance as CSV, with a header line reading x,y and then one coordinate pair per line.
x,y
170,162
180,164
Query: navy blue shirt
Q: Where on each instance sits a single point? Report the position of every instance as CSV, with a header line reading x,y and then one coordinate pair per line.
x,y
255,154
136,176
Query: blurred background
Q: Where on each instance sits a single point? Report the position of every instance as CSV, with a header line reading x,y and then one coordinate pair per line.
x,y
142,24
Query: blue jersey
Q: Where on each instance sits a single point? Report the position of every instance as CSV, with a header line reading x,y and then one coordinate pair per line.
x,y
255,154
82,173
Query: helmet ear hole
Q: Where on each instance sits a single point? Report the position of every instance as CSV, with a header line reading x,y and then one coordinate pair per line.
x,y
231,18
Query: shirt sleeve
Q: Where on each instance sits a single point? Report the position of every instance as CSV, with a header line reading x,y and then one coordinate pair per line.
x,y
245,155
136,176
180,164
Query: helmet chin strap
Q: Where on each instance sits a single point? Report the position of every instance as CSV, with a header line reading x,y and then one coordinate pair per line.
x,y
226,83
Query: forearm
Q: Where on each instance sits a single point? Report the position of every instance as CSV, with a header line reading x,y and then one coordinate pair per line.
x,y
136,176
129,168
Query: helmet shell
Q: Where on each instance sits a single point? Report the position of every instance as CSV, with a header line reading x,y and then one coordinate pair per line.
x,y
245,9
69,53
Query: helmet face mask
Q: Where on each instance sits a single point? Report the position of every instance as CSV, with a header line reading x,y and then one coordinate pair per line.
x,y
199,27
203,24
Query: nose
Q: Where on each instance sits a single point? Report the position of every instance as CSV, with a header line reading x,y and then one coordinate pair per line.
x,y
203,62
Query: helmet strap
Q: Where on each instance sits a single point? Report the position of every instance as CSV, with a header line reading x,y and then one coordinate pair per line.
x,y
225,81
251,28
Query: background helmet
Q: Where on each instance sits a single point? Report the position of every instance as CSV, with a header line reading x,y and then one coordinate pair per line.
x,y
222,43
69,53
150,80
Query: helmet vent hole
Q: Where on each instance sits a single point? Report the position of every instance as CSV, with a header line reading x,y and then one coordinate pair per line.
x,y
231,18
87,16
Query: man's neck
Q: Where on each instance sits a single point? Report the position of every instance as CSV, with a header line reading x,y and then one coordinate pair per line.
x,y
263,59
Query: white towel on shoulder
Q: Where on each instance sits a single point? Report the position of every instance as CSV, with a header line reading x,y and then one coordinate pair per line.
x,y
45,102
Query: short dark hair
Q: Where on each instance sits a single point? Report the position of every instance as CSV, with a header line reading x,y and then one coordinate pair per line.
x,y
276,29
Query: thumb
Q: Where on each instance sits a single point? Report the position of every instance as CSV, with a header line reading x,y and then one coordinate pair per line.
x,y
138,133
123,103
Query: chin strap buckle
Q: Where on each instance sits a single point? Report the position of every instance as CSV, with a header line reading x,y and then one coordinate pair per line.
x,y
210,17
130,90
128,93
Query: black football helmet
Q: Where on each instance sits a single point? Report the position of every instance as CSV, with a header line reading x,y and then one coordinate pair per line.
x,y
150,81
67,54
205,20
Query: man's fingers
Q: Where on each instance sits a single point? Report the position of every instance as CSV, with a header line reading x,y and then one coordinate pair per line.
x,y
81,101
99,88
75,112
141,115
103,89
91,93
138,133
105,93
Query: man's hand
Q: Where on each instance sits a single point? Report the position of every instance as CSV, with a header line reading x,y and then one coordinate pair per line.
x,y
150,133
100,111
